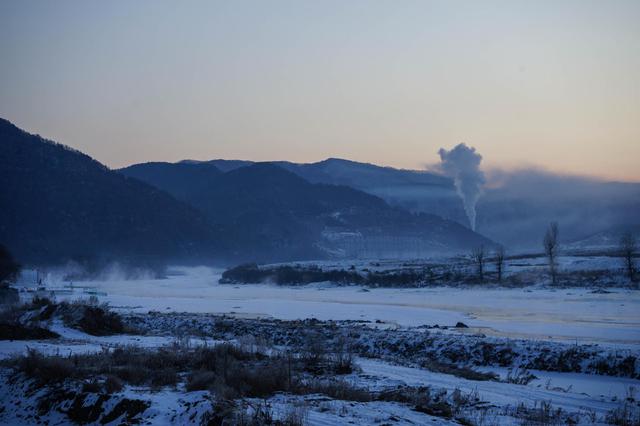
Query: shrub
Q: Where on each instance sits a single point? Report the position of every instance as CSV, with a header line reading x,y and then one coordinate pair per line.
x,y
520,376
98,321
200,380
45,369
161,377
112,384
539,415
625,415
296,415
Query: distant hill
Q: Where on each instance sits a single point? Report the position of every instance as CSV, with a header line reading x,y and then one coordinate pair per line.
x,y
59,204
514,211
227,165
518,211
268,211
607,241
417,191
413,190
181,180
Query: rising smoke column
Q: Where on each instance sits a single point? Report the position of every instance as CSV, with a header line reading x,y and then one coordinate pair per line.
x,y
462,163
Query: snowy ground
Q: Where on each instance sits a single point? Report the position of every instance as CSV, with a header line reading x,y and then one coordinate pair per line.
x,y
570,316
502,394
576,315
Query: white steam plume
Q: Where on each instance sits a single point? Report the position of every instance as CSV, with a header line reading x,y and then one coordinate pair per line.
x,y
462,163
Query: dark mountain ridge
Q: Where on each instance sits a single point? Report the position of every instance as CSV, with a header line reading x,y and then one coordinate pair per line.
x,y
59,204
514,210
413,190
272,210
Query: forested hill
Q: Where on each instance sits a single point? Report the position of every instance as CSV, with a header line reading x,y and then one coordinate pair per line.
x,y
267,212
60,204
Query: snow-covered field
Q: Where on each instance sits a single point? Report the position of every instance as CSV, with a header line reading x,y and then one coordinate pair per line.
x,y
609,322
574,315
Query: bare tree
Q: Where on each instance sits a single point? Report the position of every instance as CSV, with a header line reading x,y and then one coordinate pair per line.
x,y
627,250
550,244
499,259
478,257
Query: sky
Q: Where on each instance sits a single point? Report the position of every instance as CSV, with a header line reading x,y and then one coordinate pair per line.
x,y
550,84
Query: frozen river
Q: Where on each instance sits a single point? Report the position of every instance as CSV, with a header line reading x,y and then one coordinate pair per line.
x,y
575,315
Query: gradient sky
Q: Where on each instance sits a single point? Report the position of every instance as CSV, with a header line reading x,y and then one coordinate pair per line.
x,y
554,84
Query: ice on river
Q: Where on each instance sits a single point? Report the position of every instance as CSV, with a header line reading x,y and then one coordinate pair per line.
x,y
575,315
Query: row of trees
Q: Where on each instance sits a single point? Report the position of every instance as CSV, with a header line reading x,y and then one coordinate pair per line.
x,y
627,251
480,258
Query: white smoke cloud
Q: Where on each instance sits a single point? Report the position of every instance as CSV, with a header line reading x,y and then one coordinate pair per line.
x,y
462,163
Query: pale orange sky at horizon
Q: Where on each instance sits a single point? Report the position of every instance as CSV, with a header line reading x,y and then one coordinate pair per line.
x,y
548,84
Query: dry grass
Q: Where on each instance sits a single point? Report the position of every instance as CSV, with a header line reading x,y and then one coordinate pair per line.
x,y
226,370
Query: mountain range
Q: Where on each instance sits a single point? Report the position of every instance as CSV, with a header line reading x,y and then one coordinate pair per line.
x,y
59,204
514,210
265,208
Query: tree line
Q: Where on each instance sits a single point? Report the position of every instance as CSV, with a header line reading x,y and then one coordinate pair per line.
x,y
627,248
